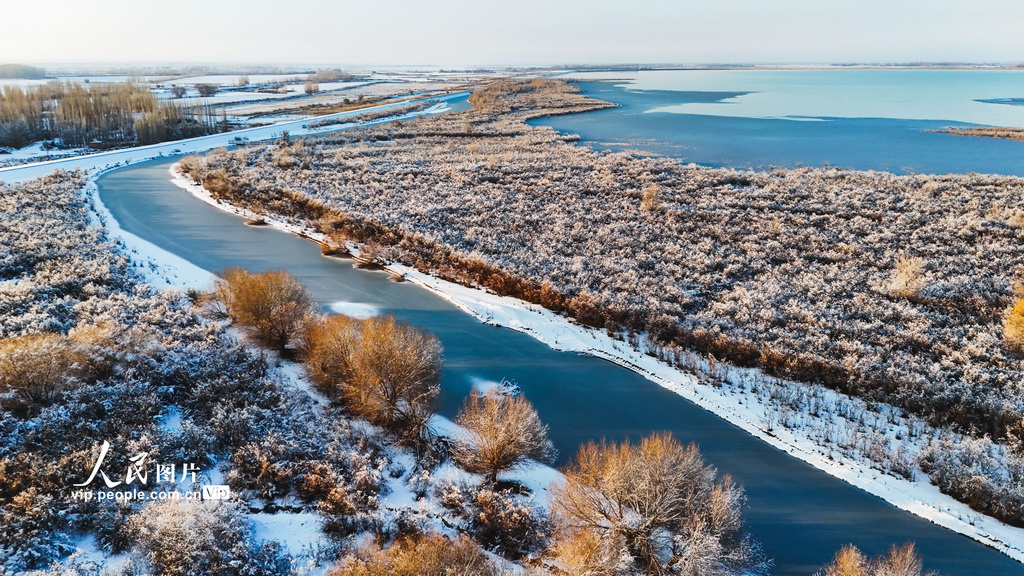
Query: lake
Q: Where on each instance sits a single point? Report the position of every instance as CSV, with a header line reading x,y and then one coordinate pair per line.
x,y
860,119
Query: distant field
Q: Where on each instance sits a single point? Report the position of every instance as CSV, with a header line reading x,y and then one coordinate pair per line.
x,y
987,132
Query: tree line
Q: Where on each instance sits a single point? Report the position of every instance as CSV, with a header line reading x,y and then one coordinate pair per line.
x,y
70,115
21,71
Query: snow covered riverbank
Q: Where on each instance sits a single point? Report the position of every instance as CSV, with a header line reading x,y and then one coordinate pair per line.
x,y
845,437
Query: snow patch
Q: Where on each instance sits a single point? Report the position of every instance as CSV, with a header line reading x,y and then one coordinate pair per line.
x,y
359,310
171,422
298,532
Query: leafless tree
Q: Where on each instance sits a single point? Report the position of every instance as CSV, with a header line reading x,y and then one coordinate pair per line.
x,y
503,432
272,303
395,373
206,90
901,561
657,503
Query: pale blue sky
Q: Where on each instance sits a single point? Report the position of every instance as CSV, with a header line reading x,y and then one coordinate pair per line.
x,y
459,32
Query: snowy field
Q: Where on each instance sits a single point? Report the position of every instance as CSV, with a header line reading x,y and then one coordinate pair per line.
x,y
829,441
744,397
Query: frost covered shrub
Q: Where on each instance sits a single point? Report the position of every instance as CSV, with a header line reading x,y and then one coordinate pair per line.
x,y
984,475
656,503
29,535
315,460
273,304
39,367
382,370
419,555
507,524
908,278
200,538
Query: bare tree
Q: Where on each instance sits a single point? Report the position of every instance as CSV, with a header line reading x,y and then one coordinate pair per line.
x,y
395,373
272,303
206,90
503,432
178,91
901,561
657,503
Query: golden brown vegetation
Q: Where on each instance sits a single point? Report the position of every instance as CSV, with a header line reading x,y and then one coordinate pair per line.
x,y
503,432
381,369
655,502
1014,327
418,555
272,304
901,561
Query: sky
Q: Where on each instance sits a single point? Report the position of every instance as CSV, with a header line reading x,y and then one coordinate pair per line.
x,y
455,33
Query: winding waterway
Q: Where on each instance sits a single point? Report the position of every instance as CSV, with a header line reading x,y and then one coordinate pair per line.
x,y
800,514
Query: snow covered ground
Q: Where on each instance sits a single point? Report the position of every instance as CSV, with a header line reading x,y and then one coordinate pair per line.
x,y
830,437
744,397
